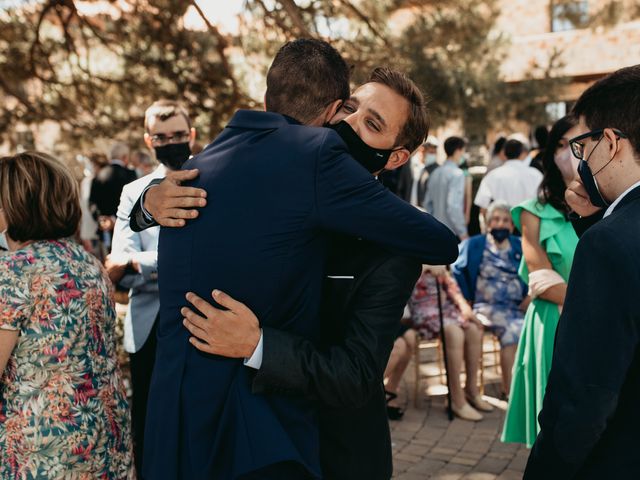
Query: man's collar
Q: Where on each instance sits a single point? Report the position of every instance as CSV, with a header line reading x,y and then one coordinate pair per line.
x,y
516,162
118,162
260,120
627,196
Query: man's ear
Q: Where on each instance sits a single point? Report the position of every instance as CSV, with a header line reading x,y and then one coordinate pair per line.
x,y
147,141
397,159
331,110
192,137
614,141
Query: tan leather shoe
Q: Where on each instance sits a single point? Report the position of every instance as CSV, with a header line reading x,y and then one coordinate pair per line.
x,y
479,403
467,412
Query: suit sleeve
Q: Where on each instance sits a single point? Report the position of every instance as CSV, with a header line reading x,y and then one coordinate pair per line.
x,y
596,342
138,221
127,243
344,375
350,200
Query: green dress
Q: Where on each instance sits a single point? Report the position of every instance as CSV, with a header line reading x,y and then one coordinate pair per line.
x,y
535,349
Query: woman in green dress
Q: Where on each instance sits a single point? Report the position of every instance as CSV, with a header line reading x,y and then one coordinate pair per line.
x,y
548,245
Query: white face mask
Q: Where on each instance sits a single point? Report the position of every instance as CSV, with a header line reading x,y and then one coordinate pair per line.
x,y
567,164
430,158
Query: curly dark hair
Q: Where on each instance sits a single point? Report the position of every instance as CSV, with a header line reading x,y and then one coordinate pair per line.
x,y
552,187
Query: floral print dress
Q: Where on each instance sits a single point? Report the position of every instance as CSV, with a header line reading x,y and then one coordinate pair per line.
x,y
63,408
423,304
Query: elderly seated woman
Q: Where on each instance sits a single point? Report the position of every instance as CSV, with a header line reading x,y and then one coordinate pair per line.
x,y
63,408
487,273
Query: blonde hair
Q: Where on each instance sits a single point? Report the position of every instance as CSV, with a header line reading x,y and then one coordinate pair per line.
x,y
39,196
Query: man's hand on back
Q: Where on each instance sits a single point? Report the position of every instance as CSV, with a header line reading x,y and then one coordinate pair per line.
x,y
171,204
577,198
233,333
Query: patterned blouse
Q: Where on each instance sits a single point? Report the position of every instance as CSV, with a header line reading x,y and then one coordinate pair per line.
x,y
63,408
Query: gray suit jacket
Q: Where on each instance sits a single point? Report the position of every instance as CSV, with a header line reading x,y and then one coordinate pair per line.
x,y
144,298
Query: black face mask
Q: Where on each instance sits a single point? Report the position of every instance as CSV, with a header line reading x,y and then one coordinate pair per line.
x,y
373,159
500,234
173,155
589,180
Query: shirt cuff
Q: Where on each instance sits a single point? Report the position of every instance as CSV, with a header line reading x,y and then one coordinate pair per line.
x,y
256,359
147,216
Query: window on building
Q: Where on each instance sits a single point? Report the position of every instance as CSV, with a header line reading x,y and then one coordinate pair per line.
x,y
569,15
556,110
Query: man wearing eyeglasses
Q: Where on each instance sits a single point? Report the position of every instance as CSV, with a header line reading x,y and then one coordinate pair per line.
x,y
589,420
134,255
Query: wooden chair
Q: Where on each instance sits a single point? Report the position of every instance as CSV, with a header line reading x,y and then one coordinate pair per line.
x,y
491,350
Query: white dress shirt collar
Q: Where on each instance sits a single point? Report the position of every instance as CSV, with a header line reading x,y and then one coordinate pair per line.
x,y
613,206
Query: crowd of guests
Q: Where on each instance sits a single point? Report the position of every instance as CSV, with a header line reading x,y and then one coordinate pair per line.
x,y
62,391
492,286
487,288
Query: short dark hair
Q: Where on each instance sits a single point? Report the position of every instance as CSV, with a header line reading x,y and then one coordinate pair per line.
x,y
305,77
499,145
39,196
513,149
165,109
453,144
416,128
614,102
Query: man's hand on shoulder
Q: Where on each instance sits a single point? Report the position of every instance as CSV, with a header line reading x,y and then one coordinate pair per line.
x,y
232,333
577,198
170,203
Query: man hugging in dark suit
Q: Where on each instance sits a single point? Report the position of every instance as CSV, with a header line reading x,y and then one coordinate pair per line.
x,y
364,294
274,190
589,420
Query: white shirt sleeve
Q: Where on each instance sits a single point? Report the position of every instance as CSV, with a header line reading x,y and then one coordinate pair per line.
x,y
256,359
483,197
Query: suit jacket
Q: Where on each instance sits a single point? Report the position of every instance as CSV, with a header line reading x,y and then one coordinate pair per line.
x,y
144,297
107,186
363,299
399,181
589,420
273,187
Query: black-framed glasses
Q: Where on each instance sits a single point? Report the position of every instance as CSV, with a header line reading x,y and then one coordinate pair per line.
x,y
161,139
577,147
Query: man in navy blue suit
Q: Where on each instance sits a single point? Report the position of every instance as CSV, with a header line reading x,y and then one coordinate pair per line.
x,y
274,186
589,421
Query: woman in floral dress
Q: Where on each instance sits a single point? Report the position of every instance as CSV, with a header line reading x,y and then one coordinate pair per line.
x,y
63,409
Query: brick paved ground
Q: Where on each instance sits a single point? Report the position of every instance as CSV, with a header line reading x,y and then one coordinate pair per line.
x,y
427,446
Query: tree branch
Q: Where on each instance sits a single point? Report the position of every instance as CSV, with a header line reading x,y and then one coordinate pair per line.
x,y
294,13
221,45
